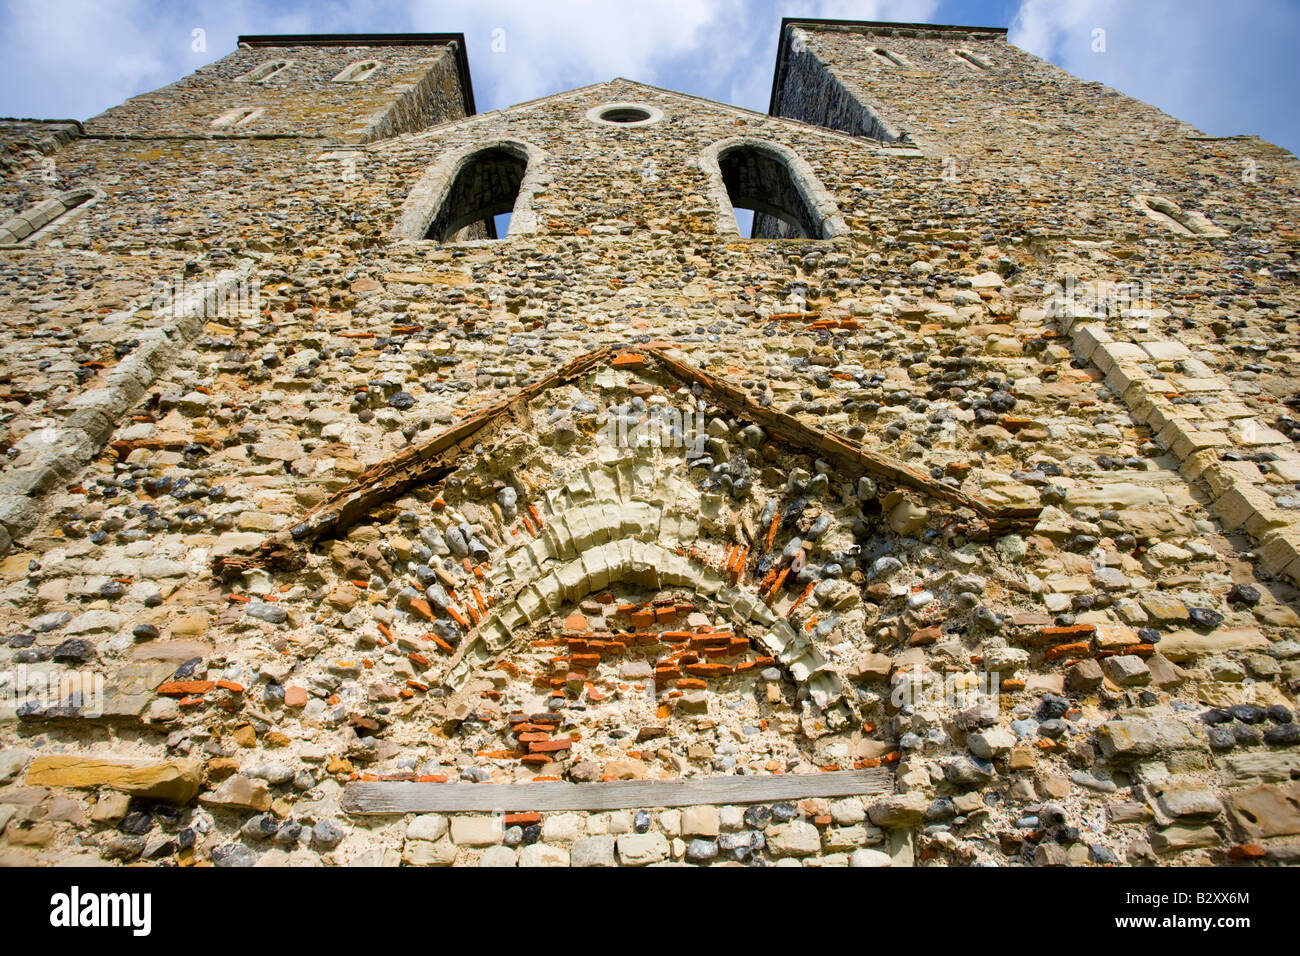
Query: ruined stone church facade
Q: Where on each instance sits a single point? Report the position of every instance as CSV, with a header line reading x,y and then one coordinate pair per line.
x,y
949,518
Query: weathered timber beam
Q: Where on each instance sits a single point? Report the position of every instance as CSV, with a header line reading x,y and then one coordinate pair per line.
x,y
367,798
433,459
843,454
428,461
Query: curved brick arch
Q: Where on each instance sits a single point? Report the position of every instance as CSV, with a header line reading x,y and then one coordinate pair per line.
x,y
820,205
631,528
431,190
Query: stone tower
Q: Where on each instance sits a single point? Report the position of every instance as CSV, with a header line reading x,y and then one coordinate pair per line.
x,y
946,517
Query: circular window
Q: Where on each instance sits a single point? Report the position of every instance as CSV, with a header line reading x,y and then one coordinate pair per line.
x,y
624,114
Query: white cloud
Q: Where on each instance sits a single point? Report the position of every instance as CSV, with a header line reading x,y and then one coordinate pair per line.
x,y
76,58
1225,70
106,52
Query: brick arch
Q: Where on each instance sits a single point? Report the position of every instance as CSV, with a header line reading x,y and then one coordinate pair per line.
x,y
429,194
627,526
773,180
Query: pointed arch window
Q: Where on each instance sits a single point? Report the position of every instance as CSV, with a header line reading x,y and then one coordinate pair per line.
x,y
357,72
459,198
46,216
788,200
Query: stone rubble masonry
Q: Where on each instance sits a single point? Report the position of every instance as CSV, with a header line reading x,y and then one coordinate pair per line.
x,y
944,453
94,414
692,834
416,85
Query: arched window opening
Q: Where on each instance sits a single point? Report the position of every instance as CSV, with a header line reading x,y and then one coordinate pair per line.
x,y
1175,218
893,59
484,191
239,116
485,187
970,59
264,72
46,216
357,72
786,200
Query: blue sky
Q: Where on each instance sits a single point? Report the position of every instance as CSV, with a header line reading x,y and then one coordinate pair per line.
x,y
1225,67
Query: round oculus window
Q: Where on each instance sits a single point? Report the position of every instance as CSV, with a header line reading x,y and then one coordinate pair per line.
x,y
624,114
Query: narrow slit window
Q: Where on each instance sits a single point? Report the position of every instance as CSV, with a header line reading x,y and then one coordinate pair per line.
x,y
44,216
1176,219
357,72
238,117
978,63
482,197
265,72
893,59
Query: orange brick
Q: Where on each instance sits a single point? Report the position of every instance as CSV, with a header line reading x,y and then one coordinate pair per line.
x,y
643,618
708,670
182,688
1070,633
549,746
1066,650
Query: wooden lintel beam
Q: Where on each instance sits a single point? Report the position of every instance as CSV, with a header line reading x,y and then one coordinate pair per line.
x,y
387,797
